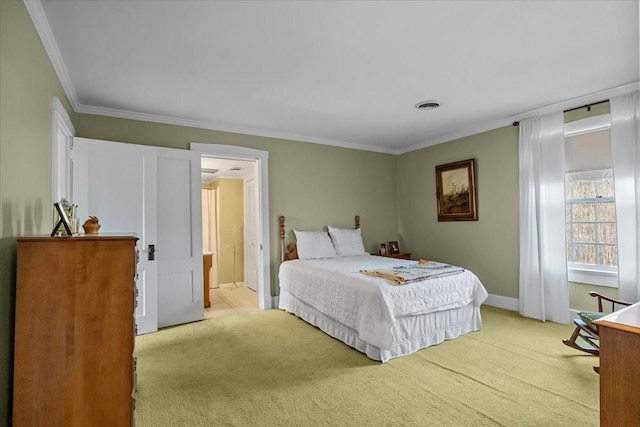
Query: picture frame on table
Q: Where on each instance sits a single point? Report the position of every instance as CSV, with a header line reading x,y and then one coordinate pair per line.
x,y
456,191
394,248
383,249
62,221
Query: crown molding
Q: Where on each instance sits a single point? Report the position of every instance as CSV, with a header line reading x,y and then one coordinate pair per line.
x,y
495,124
41,24
131,115
602,95
34,7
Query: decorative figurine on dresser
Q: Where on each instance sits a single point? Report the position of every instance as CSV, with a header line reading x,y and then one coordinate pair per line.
x,y
74,331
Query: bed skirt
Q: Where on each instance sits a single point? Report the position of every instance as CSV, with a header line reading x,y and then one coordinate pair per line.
x,y
410,333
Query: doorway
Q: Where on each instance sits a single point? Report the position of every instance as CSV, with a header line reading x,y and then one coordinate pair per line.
x,y
261,162
229,219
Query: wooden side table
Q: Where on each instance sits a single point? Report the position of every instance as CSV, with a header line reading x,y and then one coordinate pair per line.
x,y
400,255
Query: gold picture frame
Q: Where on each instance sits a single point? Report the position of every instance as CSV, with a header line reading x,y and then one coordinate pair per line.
x,y
456,191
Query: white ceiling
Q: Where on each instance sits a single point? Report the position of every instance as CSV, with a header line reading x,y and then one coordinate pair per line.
x,y
226,168
341,73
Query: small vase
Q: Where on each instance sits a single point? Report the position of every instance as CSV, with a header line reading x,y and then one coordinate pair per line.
x,y
91,228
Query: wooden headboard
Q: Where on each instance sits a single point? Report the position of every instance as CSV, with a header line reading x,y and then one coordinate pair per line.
x,y
291,251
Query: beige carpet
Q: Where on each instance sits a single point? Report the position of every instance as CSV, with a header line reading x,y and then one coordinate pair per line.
x,y
269,368
231,299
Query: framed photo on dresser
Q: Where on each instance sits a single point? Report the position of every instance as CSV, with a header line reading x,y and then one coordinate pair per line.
x,y
383,249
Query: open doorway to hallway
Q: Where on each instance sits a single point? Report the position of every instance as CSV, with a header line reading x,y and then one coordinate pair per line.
x,y
230,235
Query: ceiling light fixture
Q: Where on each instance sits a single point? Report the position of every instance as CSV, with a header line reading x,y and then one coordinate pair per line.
x,y
427,105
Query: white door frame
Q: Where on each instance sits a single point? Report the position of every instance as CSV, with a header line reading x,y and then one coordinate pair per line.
x,y
250,217
262,160
62,133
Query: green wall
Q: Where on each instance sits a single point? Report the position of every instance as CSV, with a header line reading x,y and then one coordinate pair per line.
x,y
27,85
488,247
312,185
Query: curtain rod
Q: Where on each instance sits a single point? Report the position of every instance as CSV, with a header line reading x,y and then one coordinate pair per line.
x,y
587,106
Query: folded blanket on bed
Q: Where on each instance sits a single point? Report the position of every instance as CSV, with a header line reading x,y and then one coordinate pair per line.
x,y
423,270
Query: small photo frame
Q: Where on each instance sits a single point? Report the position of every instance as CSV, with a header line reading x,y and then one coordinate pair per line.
x,y
64,220
394,248
383,249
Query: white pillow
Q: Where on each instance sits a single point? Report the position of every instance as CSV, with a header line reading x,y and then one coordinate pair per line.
x,y
347,241
314,244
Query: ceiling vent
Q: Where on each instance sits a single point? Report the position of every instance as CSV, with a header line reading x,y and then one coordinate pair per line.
x,y
427,105
236,169
207,170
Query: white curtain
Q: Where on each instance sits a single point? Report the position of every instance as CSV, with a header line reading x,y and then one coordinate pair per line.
x,y
208,221
544,289
625,151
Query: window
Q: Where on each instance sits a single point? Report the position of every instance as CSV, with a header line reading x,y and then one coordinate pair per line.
x,y
591,235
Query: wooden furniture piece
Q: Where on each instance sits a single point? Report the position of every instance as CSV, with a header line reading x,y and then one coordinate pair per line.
x,y
584,328
620,367
401,255
74,331
207,263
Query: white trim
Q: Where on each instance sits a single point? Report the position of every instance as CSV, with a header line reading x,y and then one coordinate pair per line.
x,y
62,133
502,302
472,130
590,124
201,124
512,304
226,177
566,105
598,275
34,7
44,31
580,101
262,174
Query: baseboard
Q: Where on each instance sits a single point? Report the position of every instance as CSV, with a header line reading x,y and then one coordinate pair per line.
x,y
502,302
512,304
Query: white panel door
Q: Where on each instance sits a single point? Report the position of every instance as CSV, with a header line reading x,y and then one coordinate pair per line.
x,y
179,249
251,229
116,182
148,191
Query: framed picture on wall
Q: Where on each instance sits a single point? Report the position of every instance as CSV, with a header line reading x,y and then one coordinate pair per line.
x,y
456,191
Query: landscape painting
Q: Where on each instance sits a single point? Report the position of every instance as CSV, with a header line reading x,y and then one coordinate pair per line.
x,y
456,191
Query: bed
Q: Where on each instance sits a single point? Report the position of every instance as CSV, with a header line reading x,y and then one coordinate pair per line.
x,y
374,315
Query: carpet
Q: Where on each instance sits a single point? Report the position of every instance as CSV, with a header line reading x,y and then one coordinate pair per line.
x,y
269,368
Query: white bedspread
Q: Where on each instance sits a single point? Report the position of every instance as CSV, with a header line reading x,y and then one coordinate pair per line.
x,y
369,305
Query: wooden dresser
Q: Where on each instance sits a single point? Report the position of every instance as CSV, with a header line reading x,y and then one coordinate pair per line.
x,y
620,367
75,331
